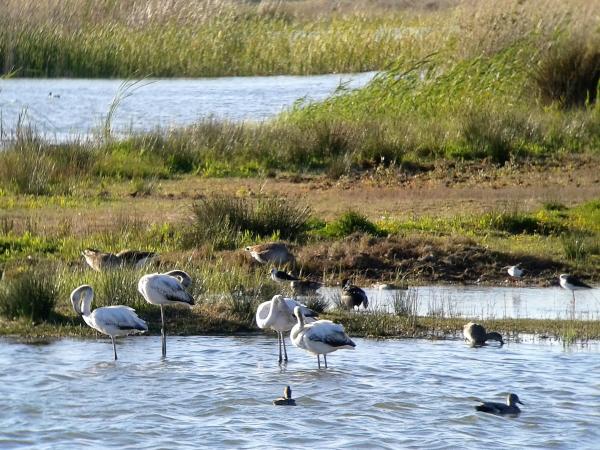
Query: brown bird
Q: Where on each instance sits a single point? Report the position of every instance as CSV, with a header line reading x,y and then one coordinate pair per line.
x,y
100,261
271,252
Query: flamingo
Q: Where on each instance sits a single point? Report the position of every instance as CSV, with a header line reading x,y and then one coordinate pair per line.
x,y
166,289
278,314
320,337
476,334
110,320
500,408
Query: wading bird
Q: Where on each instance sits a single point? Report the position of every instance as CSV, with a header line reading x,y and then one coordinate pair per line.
x,y
477,336
572,284
500,408
100,261
110,320
287,399
166,289
353,296
271,252
320,337
278,314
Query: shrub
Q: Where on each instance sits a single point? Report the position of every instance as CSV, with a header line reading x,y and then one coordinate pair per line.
x,y
351,222
223,220
568,74
31,295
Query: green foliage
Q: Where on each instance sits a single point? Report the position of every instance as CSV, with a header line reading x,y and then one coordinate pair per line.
x,y
348,223
226,220
31,295
14,246
568,73
518,223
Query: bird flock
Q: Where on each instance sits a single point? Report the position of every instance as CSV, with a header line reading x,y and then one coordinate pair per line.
x,y
280,314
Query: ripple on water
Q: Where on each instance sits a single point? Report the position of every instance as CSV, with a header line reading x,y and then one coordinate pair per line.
x,y
217,392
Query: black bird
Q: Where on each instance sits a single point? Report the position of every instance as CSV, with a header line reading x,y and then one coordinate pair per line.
x,y
500,408
353,296
287,399
281,276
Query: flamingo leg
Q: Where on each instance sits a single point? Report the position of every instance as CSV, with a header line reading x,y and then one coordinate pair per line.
x,y
112,338
285,358
279,342
325,358
163,332
319,361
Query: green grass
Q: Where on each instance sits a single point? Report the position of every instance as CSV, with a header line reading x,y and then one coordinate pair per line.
x,y
31,295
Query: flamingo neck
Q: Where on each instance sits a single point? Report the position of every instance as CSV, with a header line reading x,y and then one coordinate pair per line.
x,y
86,301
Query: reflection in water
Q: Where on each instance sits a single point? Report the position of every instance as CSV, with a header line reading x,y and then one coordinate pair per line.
x,y
217,392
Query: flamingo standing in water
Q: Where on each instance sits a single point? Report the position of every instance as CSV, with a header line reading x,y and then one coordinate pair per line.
x,y
166,289
110,320
320,337
278,314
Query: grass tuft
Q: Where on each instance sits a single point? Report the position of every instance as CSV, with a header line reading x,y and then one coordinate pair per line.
x,y
31,295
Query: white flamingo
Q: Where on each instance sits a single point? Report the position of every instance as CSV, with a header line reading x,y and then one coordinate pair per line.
x,y
110,320
278,314
166,289
320,337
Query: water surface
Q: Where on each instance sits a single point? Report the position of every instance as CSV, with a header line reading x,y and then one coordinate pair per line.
x,y
63,108
216,392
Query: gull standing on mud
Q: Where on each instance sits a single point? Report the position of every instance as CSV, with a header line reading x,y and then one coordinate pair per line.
x,y
477,336
515,271
278,315
166,289
320,337
500,408
110,320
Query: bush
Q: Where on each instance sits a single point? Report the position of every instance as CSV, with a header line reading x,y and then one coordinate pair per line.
x,y
568,74
31,295
224,220
351,222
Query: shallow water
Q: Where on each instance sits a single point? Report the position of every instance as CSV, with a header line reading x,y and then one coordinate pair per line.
x,y
217,392
488,303
63,108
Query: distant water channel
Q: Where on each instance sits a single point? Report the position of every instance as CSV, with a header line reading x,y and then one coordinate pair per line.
x,y
485,302
216,392
66,108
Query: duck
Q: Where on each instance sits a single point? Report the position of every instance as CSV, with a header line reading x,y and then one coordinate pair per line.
x,y
353,296
510,408
320,337
477,336
271,253
287,399
100,261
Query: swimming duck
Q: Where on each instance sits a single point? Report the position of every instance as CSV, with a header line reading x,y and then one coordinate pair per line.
x,y
500,408
477,336
287,399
